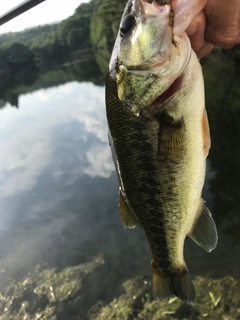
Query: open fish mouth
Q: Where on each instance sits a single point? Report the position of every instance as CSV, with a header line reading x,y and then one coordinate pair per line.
x,y
157,66
161,89
168,93
154,109
151,64
155,69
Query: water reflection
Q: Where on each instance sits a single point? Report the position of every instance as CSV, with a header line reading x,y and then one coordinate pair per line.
x,y
58,194
66,124
56,139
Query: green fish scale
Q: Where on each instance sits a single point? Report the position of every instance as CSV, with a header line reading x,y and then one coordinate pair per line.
x,y
153,200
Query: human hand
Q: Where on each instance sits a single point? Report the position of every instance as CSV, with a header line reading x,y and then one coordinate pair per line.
x,y
196,34
218,24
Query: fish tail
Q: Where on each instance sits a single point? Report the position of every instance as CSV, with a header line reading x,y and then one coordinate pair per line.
x,y
177,284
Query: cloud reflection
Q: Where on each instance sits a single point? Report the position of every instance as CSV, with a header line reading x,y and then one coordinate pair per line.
x,y
30,136
99,162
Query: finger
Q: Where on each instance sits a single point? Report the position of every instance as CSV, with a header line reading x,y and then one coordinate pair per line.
x,y
204,50
223,22
185,11
196,33
197,24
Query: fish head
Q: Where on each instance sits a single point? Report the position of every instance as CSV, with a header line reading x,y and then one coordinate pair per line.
x,y
147,57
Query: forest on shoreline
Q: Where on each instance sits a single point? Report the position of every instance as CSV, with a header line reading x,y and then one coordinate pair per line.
x,y
78,49
41,56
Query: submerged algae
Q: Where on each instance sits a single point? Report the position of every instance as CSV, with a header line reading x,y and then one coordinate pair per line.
x,y
216,299
51,295
47,295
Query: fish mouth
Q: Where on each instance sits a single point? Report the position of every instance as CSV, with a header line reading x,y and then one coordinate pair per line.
x,y
157,105
168,93
152,63
156,108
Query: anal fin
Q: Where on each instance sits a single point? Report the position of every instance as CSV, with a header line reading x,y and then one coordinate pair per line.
x,y
204,231
206,134
127,217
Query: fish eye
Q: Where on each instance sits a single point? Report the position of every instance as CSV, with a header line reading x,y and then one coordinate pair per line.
x,y
128,25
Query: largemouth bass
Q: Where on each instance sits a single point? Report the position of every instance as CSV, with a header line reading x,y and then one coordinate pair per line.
x,y
159,135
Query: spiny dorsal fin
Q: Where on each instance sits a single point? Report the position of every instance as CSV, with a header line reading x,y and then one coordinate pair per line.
x,y
204,231
126,215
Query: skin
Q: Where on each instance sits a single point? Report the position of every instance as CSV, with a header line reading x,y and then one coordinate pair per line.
x,y
218,24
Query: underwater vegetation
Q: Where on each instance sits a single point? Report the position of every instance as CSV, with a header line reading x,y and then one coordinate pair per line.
x,y
47,294
216,299
52,295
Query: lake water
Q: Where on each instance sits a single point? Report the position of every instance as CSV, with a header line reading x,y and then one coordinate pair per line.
x,y
59,200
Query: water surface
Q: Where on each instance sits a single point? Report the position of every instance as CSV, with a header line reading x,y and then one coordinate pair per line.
x,y
59,196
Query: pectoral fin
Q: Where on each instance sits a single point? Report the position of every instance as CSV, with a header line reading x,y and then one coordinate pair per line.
x,y
204,231
206,134
126,215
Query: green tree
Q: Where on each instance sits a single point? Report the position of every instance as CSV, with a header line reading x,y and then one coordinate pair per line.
x,y
103,29
74,32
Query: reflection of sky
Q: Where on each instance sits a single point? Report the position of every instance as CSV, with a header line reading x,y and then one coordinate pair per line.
x,y
58,196
54,157
29,136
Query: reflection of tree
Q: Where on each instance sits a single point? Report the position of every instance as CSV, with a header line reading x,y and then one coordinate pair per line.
x,y
83,71
2,104
17,66
11,97
17,63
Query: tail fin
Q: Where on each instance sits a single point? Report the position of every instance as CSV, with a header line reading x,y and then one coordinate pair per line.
x,y
179,284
